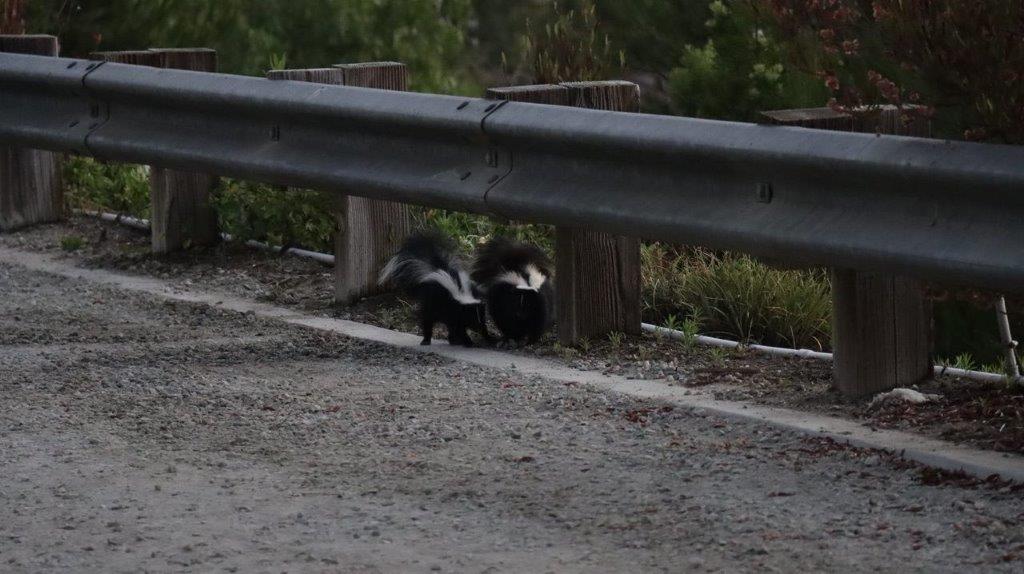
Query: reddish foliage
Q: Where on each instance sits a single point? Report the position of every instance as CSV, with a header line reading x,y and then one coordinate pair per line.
x,y
12,16
991,415
639,416
967,55
820,447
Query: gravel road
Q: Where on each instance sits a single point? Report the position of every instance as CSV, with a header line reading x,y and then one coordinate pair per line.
x,y
139,435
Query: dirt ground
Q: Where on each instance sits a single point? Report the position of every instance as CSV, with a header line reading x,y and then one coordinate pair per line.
x,y
141,435
980,414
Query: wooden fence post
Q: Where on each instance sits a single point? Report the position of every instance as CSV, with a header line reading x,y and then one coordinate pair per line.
x,y
31,190
881,324
181,213
369,231
134,57
597,275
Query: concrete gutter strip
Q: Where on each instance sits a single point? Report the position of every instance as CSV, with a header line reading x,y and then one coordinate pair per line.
x,y
927,451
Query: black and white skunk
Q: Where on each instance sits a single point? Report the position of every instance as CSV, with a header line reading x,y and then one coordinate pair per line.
x,y
516,278
427,269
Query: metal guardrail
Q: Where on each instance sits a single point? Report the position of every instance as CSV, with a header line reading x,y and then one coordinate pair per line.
x,y
941,210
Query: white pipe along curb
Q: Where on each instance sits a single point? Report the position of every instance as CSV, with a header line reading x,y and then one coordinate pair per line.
x,y
143,224
328,259
808,354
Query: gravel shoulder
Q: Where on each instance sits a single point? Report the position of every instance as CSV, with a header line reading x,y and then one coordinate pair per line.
x,y
144,435
138,434
984,415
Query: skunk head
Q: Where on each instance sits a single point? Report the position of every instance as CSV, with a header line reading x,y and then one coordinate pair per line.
x,y
517,277
502,260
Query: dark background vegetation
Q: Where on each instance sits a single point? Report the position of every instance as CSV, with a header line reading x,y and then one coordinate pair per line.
x,y
959,62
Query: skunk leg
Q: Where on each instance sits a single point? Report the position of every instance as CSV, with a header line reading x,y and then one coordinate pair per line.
x,y
458,336
427,326
490,340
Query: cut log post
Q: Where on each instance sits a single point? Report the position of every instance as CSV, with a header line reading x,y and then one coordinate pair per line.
x,y
135,57
369,231
181,213
881,324
597,275
31,190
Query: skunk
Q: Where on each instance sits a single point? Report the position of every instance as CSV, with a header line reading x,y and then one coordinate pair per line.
x,y
516,278
427,269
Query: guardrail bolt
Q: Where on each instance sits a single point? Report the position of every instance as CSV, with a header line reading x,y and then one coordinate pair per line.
x,y
492,158
764,192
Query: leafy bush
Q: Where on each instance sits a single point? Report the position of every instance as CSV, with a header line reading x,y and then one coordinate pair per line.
x,y
427,35
471,230
739,71
570,48
963,59
117,187
276,215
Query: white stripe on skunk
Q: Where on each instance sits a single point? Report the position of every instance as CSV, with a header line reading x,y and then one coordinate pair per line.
x,y
529,279
461,292
406,269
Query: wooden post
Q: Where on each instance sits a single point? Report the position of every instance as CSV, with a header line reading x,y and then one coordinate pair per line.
x,y
31,190
134,57
181,213
597,275
881,324
369,231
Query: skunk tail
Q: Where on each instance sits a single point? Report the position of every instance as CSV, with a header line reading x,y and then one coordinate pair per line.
x,y
426,258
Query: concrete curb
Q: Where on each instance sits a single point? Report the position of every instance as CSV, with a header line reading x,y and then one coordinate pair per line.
x,y
927,451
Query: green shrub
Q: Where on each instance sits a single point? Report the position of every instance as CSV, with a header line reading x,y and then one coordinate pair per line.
x,y
570,48
71,243
739,70
116,187
274,214
471,230
427,35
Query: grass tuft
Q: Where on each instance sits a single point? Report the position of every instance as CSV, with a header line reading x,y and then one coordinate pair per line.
x,y
735,296
71,243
